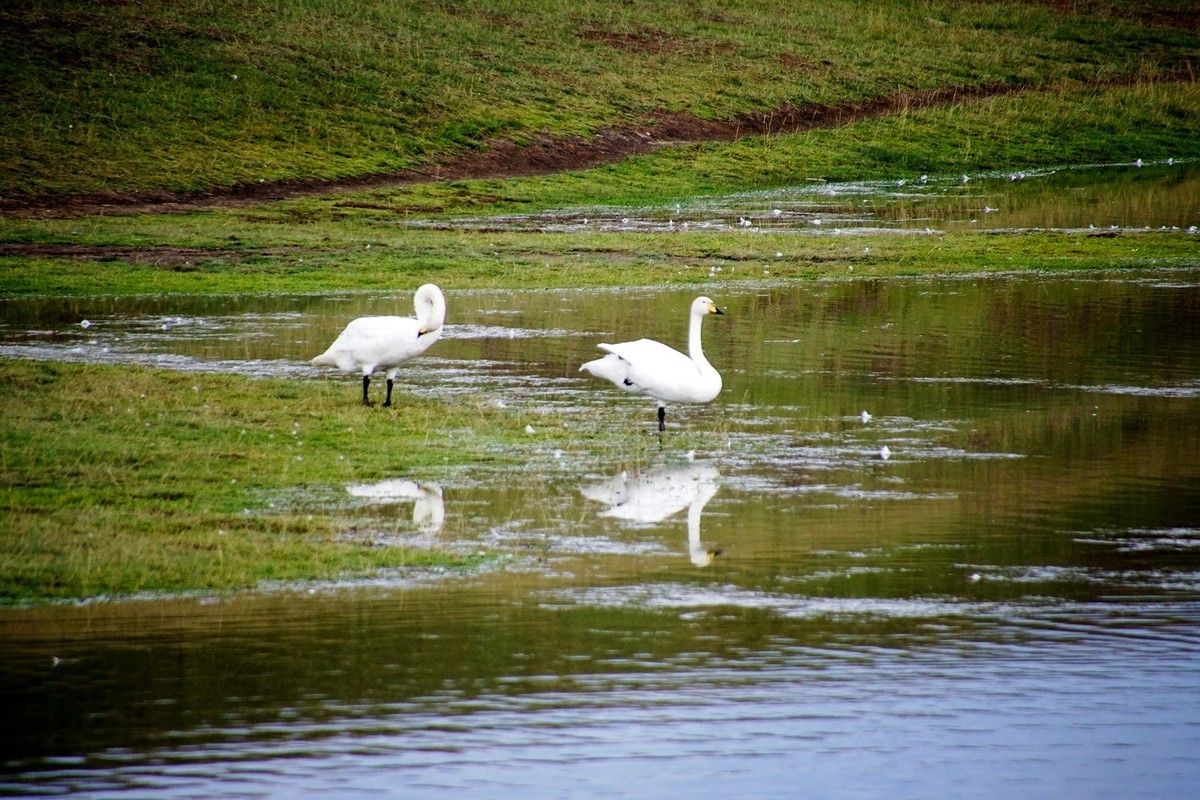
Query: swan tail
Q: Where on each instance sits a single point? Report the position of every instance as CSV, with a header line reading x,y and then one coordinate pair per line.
x,y
613,369
326,359
342,360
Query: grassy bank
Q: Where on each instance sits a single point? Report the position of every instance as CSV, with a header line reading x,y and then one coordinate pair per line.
x,y
142,95
121,480
359,240
1019,131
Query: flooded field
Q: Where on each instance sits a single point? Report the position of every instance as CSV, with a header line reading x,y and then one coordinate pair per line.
x,y
936,537
1100,198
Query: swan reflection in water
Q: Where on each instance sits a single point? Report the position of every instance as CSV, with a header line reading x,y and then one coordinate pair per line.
x,y
429,510
653,496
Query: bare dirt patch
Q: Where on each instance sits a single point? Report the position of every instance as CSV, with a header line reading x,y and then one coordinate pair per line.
x,y
649,40
164,257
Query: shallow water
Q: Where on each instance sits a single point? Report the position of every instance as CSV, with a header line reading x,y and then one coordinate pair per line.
x,y
1004,602
1097,198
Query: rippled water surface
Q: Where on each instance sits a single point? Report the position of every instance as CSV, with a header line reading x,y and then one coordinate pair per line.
x,y
986,585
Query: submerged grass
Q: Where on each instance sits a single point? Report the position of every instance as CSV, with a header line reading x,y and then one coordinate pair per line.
x,y
116,481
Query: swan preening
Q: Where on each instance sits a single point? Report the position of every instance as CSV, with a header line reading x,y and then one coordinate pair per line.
x,y
651,368
369,344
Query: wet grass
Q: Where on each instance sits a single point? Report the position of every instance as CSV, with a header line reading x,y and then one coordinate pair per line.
x,y
1024,130
117,481
459,261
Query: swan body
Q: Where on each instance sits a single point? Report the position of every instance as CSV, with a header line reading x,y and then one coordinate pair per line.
x,y
369,344
665,374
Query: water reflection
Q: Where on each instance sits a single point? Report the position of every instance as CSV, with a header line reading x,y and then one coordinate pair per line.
x,y
651,496
429,509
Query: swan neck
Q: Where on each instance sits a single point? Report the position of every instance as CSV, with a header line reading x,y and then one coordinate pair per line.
x,y
431,311
695,348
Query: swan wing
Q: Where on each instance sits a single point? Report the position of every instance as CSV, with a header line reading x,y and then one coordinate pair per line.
x,y
628,363
664,373
369,343
644,351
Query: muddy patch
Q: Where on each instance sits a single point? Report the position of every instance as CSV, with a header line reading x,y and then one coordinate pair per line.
x,y
167,257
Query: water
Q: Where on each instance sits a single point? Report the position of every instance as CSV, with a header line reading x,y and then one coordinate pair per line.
x,y
1095,199
1004,602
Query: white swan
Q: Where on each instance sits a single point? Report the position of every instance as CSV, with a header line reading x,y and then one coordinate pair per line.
x,y
651,368
385,343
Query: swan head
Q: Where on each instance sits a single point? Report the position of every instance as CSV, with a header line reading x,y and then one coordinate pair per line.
x,y
430,305
702,306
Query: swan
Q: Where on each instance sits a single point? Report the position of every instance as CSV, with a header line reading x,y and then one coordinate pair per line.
x,y
651,368
385,343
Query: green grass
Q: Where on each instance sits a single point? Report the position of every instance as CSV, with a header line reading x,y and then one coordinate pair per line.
x,y
143,95
1025,130
513,261
353,241
116,481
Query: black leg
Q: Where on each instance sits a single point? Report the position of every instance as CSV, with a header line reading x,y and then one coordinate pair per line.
x,y
388,402
662,418
366,383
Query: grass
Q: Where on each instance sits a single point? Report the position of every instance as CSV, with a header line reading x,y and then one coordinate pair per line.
x,y
122,480
513,260
348,241
143,95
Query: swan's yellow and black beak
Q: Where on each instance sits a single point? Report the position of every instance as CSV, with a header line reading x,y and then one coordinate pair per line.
x,y
712,309
422,332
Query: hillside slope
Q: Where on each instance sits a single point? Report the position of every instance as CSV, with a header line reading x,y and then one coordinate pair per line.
x,y
144,98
